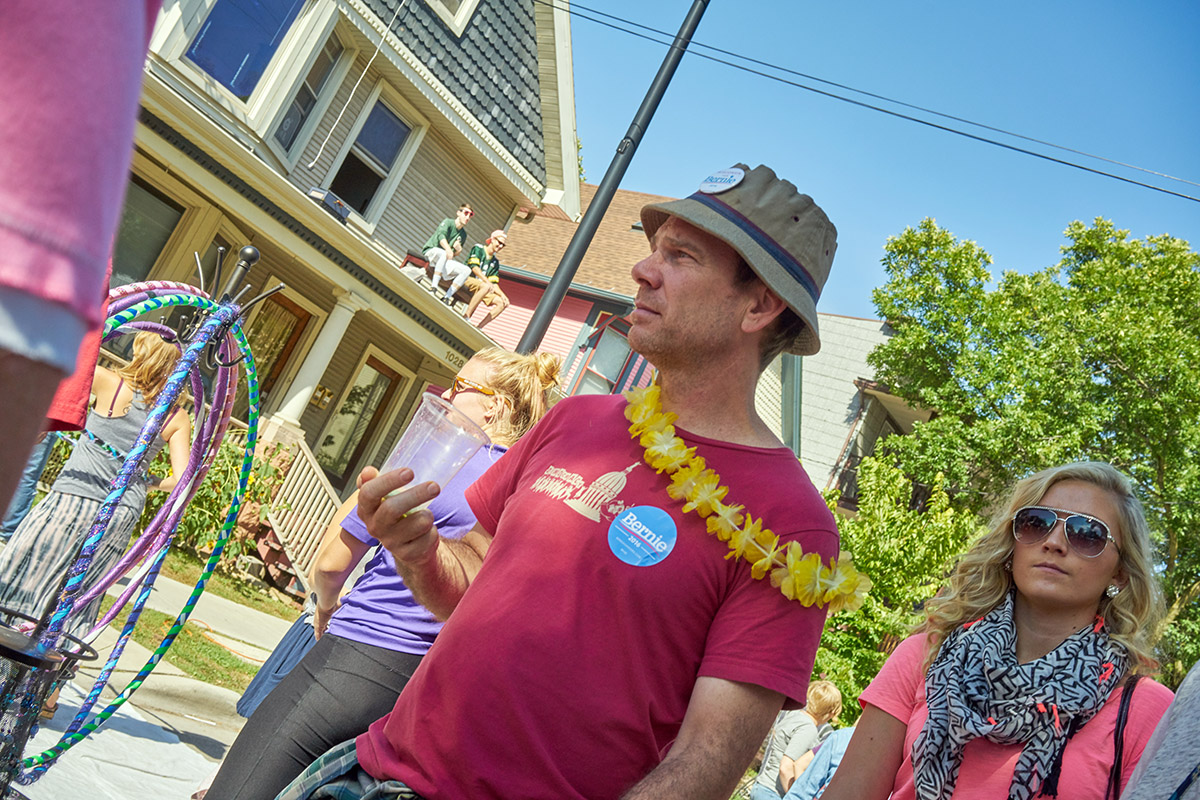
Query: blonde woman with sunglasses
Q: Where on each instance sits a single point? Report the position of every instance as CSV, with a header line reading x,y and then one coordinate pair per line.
x,y
372,639
1013,686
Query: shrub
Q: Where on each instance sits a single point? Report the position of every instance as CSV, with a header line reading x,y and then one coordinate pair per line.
x,y
201,522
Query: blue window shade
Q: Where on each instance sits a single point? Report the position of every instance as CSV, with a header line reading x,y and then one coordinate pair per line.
x,y
383,135
238,39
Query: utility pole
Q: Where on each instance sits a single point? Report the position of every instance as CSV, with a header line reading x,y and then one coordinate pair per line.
x,y
556,290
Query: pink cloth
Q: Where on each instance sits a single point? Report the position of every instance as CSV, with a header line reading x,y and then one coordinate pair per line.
x,y
987,767
566,670
70,76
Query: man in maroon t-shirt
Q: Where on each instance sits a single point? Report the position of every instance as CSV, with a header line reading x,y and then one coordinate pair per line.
x,y
601,645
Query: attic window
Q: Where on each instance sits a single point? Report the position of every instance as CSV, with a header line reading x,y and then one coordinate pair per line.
x,y
239,38
455,13
369,162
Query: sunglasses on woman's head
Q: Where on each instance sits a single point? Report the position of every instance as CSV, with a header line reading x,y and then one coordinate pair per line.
x,y
461,384
1086,535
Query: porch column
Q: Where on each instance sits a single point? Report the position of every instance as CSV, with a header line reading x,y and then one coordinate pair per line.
x,y
318,358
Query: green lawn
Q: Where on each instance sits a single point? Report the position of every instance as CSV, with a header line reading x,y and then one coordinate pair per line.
x,y
192,651
186,567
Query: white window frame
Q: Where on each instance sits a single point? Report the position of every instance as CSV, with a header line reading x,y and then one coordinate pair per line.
x,y
337,76
195,230
604,324
418,125
259,112
457,22
389,418
307,340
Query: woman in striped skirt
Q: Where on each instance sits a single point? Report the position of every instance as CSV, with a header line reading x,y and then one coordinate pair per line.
x,y
47,542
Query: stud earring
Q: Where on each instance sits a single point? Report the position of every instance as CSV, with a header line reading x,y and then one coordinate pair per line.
x,y
1113,590
1008,565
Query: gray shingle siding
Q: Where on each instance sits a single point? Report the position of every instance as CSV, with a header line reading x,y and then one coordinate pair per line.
x,y
830,400
492,68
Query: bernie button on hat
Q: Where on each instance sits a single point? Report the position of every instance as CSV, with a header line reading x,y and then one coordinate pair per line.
x,y
782,234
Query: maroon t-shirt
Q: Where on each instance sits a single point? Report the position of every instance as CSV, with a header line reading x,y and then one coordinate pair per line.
x,y
567,667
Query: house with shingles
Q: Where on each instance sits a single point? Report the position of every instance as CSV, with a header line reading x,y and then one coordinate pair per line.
x,y
844,413
399,110
825,407
589,330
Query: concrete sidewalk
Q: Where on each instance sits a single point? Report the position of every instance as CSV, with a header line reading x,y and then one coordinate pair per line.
x,y
173,731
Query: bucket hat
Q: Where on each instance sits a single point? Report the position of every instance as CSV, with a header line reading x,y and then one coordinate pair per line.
x,y
782,234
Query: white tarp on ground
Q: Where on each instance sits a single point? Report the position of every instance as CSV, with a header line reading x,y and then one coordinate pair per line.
x,y
128,757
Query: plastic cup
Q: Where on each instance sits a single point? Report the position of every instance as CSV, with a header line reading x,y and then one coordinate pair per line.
x,y
438,441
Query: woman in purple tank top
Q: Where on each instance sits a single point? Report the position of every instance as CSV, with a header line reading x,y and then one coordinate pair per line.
x,y
371,639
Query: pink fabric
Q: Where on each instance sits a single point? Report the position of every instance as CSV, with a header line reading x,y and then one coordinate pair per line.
x,y
987,767
565,671
70,76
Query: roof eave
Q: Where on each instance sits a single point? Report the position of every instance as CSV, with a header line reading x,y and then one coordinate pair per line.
x,y
623,301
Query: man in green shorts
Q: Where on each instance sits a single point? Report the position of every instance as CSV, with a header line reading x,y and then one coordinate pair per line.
x,y
484,281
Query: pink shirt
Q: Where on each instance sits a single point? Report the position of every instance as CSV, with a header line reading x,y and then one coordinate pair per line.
x,y
987,767
566,669
70,76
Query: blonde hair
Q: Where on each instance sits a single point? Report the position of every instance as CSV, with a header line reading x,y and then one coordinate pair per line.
x,y
824,702
153,360
980,581
526,384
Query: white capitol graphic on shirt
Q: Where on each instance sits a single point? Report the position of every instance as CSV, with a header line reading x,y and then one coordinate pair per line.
x,y
598,501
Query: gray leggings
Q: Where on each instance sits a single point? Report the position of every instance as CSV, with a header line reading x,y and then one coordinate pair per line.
x,y
336,691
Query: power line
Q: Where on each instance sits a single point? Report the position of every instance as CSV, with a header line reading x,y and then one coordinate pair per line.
x,y
575,12
893,100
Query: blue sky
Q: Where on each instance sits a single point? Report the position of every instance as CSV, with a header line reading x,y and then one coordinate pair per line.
x,y
1120,80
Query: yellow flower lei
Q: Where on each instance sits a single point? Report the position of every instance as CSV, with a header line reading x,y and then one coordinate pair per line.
x,y
798,575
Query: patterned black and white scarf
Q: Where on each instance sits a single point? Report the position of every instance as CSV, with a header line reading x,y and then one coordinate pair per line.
x,y
975,688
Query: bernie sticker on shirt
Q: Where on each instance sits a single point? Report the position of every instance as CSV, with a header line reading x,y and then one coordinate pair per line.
x,y
722,180
642,536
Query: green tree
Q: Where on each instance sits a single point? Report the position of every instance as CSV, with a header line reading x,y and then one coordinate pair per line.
x,y
906,553
1094,358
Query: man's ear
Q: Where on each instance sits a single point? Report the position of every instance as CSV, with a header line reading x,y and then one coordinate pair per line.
x,y
764,306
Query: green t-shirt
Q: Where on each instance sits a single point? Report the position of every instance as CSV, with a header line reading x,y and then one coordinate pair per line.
x,y
448,232
478,257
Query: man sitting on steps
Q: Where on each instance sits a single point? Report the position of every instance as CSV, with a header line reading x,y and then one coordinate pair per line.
x,y
440,247
484,282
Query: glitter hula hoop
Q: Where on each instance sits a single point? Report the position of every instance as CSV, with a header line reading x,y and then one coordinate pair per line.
x,y
221,330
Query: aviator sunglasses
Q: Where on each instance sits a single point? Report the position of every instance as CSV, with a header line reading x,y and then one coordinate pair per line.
x,y
1086,535
461,384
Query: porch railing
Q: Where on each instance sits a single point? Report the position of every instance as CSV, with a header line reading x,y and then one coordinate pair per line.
x,y
303,509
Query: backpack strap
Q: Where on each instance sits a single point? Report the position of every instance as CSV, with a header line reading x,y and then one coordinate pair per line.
x,y
1114,776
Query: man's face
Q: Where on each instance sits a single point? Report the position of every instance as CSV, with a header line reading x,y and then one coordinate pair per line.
x,y
463,216
688,304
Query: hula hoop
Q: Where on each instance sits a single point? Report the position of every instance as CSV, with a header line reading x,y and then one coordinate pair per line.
x,y
221,327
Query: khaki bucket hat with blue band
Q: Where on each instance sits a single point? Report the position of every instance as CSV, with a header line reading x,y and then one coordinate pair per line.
x,y
783,235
